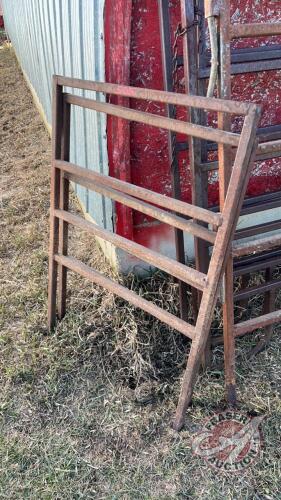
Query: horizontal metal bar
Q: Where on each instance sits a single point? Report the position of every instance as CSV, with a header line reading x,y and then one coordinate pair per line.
x,y
260,322
143,207
269,133
260,205
241,56
246,60
255,67
269,147
253,54
254,30
265,151
263,199
176,269
268,156
181,146
226,106
250,325
152,120
256,246
247,67
265,227
253,263
178,206
209,166
252,268
257,290
94,276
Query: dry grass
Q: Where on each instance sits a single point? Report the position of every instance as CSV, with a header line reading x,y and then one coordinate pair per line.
x,y
85,412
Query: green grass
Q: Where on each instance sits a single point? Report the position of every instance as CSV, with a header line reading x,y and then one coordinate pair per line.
x,y
86,412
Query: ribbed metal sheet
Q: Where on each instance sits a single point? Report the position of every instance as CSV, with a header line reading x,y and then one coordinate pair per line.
x,y
66,37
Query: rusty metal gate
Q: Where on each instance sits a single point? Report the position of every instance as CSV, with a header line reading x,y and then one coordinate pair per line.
x,y
218,229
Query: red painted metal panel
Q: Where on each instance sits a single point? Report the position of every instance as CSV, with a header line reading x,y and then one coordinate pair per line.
x,y
148,163
262,88
118,15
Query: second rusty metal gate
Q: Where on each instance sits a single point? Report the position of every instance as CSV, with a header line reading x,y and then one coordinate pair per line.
x,y
196,64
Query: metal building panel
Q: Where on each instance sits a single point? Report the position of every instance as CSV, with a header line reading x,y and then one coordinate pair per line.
x,y
66,37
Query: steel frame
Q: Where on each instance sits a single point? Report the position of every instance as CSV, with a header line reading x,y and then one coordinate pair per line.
x,y
269,147
223,224
195,60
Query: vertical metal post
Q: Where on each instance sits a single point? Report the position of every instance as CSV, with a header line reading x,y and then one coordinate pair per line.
x,y
193,86
167,65
225,168
268,307
199,178
63,204
57,114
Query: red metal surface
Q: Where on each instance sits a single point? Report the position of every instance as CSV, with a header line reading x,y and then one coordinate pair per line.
x,y
117,18
148,166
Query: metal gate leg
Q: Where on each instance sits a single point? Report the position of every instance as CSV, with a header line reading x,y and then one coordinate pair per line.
x,y
64,204
57,113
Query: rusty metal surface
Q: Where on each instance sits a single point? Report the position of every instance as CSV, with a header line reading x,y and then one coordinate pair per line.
x,y
187,33
96,277
256,246
181,207
235,61
254,30
176,269
194,101
256,290
225,222
253,324
157,213
178,126
267,149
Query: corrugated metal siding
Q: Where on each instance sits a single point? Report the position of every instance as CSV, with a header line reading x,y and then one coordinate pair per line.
x,y
66,37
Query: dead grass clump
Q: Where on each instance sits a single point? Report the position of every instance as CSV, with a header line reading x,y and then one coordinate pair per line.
x,y
130,342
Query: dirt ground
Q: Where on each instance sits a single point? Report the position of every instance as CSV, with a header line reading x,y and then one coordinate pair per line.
x,y
86,412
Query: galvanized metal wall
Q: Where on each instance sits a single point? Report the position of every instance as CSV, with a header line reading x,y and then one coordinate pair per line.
x,y
66,37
